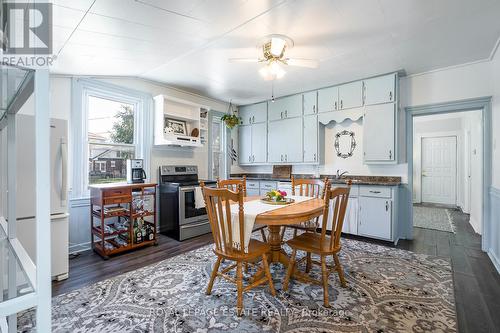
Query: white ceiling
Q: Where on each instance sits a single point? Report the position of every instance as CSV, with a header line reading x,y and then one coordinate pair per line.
x,y
187,43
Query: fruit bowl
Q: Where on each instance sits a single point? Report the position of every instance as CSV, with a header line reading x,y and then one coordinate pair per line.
x,y
277,197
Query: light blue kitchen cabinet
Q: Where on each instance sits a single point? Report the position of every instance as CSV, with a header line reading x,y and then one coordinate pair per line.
x,y
259,143
245,144
311,139
380,89
293,140
285,107
379,125
285,141
253,113
275,146
328,99
350,95
252,143
310,101
375,217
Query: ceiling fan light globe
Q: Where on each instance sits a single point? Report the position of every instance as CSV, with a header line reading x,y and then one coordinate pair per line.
x,y
277,46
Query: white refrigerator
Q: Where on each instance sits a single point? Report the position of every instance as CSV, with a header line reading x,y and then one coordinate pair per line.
x,y
26,225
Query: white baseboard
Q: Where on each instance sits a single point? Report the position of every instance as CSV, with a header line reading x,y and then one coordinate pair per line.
x,y
474,225
75,248
494,260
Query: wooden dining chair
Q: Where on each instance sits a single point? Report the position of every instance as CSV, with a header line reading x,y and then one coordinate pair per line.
x,y
218,202
323,244
232,184
309,188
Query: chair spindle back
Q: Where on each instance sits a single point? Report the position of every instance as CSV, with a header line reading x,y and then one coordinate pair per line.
x,y
232,184
218,203
340,198
309,187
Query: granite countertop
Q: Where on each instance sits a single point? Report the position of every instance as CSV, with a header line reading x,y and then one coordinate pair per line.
x,y
356,180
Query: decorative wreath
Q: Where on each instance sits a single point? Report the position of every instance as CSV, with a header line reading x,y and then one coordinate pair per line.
x,y
337,144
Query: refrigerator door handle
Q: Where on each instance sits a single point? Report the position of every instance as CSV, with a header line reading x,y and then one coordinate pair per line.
x,y
64,171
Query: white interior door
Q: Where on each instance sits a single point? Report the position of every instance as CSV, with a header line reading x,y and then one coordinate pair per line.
x,y
439,170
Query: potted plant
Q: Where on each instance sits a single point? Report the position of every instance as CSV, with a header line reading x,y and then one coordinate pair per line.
x,y
230,118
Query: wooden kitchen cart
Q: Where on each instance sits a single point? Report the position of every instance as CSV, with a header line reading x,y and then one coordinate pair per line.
x,y
122,217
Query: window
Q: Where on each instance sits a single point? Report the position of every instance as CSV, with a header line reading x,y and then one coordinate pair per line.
x,y
109,124
111,138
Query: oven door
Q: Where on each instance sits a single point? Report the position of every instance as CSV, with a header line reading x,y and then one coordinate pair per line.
x,y
188,213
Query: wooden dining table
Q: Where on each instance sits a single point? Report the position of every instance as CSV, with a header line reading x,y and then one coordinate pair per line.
x,y
294,213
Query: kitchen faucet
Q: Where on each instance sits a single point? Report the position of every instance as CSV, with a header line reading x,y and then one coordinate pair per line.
x,y
339,175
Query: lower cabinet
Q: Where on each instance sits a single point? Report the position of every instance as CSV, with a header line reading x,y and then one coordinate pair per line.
x,y
375,217
350,225
253,192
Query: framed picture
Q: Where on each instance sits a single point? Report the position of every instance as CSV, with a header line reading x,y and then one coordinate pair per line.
x,y
174,126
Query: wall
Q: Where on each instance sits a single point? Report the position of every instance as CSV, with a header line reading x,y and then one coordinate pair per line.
x,y
494,251
472,125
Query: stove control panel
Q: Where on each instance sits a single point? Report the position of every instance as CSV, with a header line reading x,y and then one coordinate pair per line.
x,y
178,170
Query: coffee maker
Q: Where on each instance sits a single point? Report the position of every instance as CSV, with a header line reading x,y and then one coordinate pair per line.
x,y
135,171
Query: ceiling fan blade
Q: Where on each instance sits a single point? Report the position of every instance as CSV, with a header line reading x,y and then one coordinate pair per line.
x,y
309,63
244,60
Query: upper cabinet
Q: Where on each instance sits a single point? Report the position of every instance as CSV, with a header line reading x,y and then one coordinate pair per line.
x,y
253,113
289,131
285,107
328,99
380,89
310,143
310,101
285,141
350,95
379,124
253,143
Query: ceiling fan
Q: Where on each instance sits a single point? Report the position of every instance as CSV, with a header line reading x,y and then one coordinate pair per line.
x,y
273,56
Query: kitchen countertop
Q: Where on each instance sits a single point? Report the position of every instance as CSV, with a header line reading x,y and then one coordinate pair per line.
x,y
356,180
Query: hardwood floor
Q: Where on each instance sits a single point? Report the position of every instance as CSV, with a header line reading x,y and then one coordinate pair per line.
x,y
477,283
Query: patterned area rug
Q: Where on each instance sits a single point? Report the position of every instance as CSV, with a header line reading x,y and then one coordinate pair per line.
x,y
433,218
389,290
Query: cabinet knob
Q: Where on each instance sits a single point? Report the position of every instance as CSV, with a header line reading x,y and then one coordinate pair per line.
x,y
286,113
390,154
281,115
386,206
314,108
314,157
253,119
335,105
390,95
341,104
249,120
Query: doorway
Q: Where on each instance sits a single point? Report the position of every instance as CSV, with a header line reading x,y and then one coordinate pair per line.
x,y
476,177
443,176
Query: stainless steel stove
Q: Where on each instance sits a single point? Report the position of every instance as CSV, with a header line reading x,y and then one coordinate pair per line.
x,y
179,217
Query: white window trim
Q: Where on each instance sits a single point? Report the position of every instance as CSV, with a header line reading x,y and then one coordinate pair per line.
x,y
143,127
225,138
